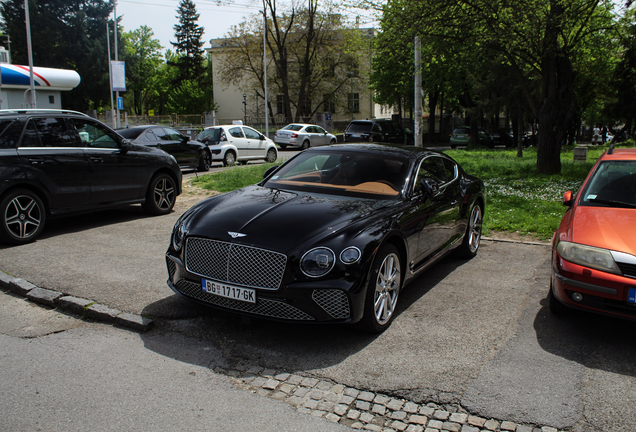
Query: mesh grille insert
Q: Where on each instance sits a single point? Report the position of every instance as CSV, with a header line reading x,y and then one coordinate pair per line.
x,y
333,301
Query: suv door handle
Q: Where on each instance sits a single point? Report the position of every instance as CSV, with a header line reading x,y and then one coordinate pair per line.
x,y
36,161
97,159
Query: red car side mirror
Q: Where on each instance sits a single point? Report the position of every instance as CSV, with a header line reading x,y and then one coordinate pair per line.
x,y
567,198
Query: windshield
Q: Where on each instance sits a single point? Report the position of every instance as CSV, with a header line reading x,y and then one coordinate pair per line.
x,y
293,127
613,184
210,134
359,127
343,173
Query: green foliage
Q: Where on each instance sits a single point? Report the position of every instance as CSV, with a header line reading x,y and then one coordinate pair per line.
x,y
189,44
187,97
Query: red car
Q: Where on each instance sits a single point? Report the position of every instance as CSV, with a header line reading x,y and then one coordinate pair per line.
x,y
594,248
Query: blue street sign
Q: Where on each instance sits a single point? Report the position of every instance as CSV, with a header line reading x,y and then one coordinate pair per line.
x,y
120,103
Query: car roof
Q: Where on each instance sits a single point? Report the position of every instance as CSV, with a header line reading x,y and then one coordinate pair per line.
x,y
620,154
389,149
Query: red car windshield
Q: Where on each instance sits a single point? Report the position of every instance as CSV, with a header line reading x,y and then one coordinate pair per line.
x,y
613,184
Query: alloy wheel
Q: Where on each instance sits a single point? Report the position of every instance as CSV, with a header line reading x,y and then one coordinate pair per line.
x,y
387,289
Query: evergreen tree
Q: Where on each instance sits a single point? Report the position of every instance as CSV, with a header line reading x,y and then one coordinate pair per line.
x,y
188,45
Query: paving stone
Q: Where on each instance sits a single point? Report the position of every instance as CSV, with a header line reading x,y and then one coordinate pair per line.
x,y
318,413
301,391
548,429
431,430
476,421
441,415
451,427
366,396
309,382
398,425
524,428
332,418
338,389
269,373
427,411
357,425
235,374
286,388
353,414
362,405
316,394
332,397
366,417
395,404
242,367
351,392
294,379
398,415
326,406
341,409
134,322
45,296
378,409
295,400
74,304
270,384
347,400
467,428
20,286
6,279
255,370
282,376
411,408
103,313
435,424
414,428
324,385
458,418
418,419
491,424
263,392
279,395
381,399
508,426
304,410
373,427
259,381
311,404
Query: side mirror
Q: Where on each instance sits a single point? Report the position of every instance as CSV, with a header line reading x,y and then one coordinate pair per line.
x,y
270,170
184,139
125,146
429,186
567,198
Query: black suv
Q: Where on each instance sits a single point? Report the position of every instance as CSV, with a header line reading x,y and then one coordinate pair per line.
x,y
378,130
55,162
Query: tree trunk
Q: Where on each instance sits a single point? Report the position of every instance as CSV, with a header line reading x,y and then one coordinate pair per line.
x,y
432,105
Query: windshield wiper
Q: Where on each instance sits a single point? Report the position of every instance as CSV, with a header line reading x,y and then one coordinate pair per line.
x,y
613,203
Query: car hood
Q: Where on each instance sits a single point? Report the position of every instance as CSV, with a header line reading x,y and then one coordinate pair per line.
x,y
276,219
604,227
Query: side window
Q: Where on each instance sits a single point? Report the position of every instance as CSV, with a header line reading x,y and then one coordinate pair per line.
x,y
451,169
93,134
376,128
150,136
236,132
251,134
319,130
431,167
173,134
48,132
10,135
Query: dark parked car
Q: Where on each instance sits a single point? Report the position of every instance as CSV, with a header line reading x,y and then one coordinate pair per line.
x,y
461,137
594,248
378,130
55,162
188,153
502,137
333,235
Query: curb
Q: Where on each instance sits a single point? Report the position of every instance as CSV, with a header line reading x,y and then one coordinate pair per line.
x,y
76,305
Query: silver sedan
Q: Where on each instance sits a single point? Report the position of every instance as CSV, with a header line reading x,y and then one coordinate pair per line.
x,y
303,135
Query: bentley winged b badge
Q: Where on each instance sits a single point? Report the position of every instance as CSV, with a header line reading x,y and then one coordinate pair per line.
x,y
235,234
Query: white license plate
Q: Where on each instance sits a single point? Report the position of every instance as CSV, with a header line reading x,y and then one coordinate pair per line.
x,y
229,291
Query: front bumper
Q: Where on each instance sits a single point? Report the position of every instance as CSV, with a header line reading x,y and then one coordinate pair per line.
x,y
595,290
317,301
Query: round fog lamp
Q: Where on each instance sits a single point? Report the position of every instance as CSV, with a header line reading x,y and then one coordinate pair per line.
x,y
577,297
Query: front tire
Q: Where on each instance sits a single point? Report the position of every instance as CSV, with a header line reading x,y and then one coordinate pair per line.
x,y
229,159
23,217
332,142
271,156
472,238
306,145
161,195
205,161
383,290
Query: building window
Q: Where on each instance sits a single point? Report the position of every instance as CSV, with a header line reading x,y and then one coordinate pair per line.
x,y
354,103
329,104
280,106
51,99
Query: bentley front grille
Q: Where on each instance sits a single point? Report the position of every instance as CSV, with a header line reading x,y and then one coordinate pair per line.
x,y
265,307
235,264
333,301
172,268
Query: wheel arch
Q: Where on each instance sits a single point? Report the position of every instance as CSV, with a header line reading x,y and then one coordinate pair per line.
x,y
164,171
42,194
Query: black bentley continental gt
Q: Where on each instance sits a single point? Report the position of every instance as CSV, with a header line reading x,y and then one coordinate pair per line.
x,y
332,235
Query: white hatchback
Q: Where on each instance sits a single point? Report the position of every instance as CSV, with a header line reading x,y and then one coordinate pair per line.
x,y
303,135
237,143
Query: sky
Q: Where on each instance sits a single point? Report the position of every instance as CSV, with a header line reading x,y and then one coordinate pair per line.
x,y
216,16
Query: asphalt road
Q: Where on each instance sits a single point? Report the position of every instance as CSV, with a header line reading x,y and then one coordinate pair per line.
x,y
475,334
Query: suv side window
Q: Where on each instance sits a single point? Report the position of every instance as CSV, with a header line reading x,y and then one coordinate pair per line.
x,y
47,132
10,135
93,134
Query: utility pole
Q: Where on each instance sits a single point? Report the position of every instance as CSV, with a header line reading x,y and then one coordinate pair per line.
x,y
265,68
30,52
418,94
116,58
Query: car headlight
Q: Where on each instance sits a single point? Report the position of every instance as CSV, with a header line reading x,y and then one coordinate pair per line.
x,y
588,256
317,262
350,255
178,234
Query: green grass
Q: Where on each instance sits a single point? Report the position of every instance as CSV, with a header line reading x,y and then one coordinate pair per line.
x,y
518,199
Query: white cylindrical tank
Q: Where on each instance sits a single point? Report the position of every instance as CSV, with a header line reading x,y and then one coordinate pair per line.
x,y
18,77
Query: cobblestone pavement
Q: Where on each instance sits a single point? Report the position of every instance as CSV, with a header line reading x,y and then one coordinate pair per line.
x,y
363,409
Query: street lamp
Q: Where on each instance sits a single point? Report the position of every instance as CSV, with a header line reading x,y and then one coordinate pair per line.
x,y
244,109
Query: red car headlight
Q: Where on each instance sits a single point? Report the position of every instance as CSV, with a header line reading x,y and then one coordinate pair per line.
x,y
588,256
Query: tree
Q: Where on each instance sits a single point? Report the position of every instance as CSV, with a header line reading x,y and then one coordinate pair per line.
x,y
67,35
189,43
540,40
143,57
311,56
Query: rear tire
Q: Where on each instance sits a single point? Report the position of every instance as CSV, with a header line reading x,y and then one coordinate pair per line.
x,y
271,156
306,144
23,217
472,238
383,290
161,195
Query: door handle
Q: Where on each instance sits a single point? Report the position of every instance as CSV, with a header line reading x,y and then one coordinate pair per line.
x,y
36,161
97,160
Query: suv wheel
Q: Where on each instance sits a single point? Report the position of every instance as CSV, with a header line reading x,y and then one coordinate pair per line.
x,y
161,195
23,216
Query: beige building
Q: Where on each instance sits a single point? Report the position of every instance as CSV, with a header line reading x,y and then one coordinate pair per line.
x,y
241,100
